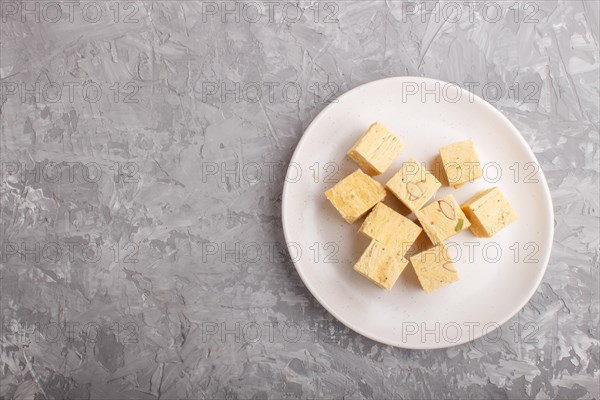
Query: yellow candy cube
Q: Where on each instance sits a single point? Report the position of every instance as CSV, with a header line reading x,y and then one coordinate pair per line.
x,y
376,149
442,219
489,211
461,163
434,268
381,265
390,228
413,185
354,195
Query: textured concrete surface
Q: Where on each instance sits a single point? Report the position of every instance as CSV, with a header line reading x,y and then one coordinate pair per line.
x,y
143,254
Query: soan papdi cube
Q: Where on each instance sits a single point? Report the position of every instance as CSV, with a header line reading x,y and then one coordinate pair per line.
x,y
413,185
356,194
434,268
461,163
488,211
390,228
442,219
376,149
381,264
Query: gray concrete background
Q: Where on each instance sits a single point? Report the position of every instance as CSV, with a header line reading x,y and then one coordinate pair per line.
x,y
139,263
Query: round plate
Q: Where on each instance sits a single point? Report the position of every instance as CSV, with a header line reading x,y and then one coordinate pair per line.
x,y
497,275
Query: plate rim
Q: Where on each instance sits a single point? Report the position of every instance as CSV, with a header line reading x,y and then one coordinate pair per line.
x,y
549,236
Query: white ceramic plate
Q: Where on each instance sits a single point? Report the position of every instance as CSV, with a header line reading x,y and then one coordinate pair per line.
x,y
497,276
